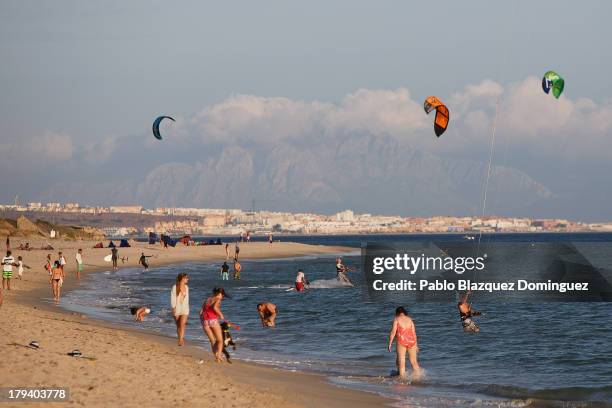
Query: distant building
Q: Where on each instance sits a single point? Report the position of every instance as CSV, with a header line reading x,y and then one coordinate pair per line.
x,y
126,209
346,215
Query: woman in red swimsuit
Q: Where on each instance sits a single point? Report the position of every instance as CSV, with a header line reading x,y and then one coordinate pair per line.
x,y
209,317
403,329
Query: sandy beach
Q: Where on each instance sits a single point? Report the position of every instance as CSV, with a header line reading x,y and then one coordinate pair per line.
x,y
133,368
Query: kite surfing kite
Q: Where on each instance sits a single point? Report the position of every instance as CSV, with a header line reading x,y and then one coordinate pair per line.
x,y
156,126
442,116
552,80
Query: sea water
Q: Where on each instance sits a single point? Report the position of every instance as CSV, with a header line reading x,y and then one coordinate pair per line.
x,y
532,354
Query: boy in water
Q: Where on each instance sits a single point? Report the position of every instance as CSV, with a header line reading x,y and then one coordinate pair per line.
x,y
225,271
237,269
79,263
140,312
267,313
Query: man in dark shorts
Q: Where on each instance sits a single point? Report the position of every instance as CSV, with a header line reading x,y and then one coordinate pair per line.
x,y
143,261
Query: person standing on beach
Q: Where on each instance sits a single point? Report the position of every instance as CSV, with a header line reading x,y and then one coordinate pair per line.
x,y
114,257
48,265
143,261
210,317
179,299
225,271
237,269
79,263
226,251
236,250
20,266
270,240
403,329
61,260
248,236
56,280
7,270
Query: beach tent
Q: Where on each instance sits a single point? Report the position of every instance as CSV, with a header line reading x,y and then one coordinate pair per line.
x,y
152,238
124,243
168,241
111,244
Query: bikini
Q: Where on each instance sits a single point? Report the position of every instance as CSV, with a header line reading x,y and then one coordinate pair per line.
x,y
209,318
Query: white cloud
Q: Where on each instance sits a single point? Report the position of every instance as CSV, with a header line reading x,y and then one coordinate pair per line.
x,y
36,152
528,119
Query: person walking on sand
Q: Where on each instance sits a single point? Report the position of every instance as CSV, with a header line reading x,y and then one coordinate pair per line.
x,y
210,317
225,271
226,251
237,269
79,263
403,329
114,257
236,250
20,266
179,299
143,261
61,260
248,236
270,240
56,280
7,270
48,265
267,313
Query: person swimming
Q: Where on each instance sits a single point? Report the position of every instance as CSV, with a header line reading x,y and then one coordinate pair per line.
x,y
466,313
267,313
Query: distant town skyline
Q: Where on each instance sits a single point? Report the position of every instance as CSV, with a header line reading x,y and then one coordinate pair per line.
x,y
135,220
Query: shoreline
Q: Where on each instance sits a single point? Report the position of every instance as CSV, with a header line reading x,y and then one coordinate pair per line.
x,y
265,385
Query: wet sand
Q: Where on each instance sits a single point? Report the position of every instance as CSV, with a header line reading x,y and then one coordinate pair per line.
x,y
134,368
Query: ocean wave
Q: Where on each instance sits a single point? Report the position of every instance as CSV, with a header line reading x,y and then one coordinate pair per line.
x,y
563,395
328,284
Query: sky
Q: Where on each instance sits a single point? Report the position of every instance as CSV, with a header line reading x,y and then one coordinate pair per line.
x,y
83,80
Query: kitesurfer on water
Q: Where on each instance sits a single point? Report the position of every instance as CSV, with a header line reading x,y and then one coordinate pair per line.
x,y
341,271
466,313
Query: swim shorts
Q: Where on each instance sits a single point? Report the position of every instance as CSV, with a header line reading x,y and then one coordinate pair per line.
x,y
79,267
7,274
